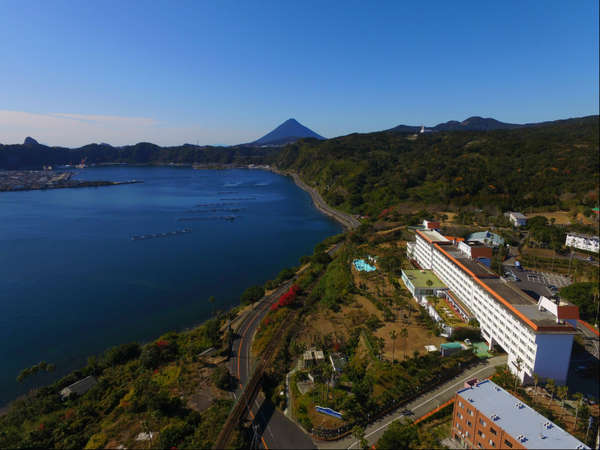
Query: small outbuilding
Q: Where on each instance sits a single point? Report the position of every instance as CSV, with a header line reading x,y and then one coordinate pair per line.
x,y
79,387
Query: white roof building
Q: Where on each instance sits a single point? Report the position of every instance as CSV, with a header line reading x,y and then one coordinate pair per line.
x,y
583,242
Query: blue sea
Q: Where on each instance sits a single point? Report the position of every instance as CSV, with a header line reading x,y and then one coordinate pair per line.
x,y
73,281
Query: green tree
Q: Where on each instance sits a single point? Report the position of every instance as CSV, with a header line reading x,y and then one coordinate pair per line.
x,y
519,366
562,392
399,436
404,335
393,336
578,396
359,434
253,294
551,388
42,366
536,380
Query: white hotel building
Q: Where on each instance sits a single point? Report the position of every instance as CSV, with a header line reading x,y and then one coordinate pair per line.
x,y
539,333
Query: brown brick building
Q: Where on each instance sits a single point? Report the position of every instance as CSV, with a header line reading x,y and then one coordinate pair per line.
x,y
487,416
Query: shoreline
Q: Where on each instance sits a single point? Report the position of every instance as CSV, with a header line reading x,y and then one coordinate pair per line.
x,y
344,219
348,221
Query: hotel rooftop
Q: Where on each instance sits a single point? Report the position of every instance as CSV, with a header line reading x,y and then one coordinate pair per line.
x,y
523,423
506,292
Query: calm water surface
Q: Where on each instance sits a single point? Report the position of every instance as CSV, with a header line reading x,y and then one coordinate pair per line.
x,y
73,282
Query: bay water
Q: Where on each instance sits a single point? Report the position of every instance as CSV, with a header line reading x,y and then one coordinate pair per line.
x,y
87,268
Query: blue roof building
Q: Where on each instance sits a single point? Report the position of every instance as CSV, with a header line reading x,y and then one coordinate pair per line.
x,y
486,238
487,416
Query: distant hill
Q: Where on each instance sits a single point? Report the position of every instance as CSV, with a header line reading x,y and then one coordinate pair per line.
x,y
32,155
547,165
289,131
474,123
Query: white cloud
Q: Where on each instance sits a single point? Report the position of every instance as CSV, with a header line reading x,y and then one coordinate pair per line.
x,y
74,130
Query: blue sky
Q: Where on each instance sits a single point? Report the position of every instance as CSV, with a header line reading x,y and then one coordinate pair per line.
x,y
228,72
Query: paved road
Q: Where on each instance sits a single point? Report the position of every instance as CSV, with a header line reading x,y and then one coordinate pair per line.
x,y
347,220
275,430
591,340
420,405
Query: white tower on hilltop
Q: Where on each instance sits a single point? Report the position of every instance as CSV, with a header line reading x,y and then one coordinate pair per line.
x,y
422,129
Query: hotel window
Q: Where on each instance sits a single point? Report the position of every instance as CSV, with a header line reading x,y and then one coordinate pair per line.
x,y
492,430
481,421
470,411
507,443
492,443
469,423
480,433
460,404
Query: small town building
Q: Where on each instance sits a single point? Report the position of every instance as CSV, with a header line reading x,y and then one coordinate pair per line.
x,y
79,387
487,416
450,348
312,358
477,251
486,238
516,218
583,242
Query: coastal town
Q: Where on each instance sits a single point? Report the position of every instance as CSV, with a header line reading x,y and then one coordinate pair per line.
x,y
27,180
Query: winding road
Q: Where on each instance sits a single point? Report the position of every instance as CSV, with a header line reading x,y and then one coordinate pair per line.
x,y
274,429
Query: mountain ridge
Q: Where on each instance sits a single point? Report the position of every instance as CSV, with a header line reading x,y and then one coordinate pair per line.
x,y
473,123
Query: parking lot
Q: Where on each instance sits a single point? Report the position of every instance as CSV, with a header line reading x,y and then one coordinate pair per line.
x,y
536,283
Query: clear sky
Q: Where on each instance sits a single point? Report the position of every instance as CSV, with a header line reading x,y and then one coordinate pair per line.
x,y
225,72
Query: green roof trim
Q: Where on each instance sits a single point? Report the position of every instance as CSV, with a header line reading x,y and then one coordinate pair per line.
x,y
419,279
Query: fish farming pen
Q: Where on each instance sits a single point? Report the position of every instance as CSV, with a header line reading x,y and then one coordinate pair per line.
x,y
143,237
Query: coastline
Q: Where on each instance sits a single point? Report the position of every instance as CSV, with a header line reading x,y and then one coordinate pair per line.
x,y
4,406
348,221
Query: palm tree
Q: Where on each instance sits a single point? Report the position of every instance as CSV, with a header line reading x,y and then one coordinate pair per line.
x,y
551,387
394,336
211,300
327,375
519,366
536,380
404,334
562,393
596,294
578,396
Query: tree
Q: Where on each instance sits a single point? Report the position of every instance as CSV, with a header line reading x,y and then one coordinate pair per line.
x,y
253,294
399,436
551,387
359,434
394,336
536,380
519,366
404,334
562,392
596,294
578,396
327,375
33,370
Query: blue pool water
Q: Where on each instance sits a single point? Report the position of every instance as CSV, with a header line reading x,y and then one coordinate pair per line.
x,y
74,282
362,266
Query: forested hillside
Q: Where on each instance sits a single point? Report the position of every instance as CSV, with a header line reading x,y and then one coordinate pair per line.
x,y
555,165
34,156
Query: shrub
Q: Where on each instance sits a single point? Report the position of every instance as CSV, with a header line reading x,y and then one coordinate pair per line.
x,y
121,354
222,378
